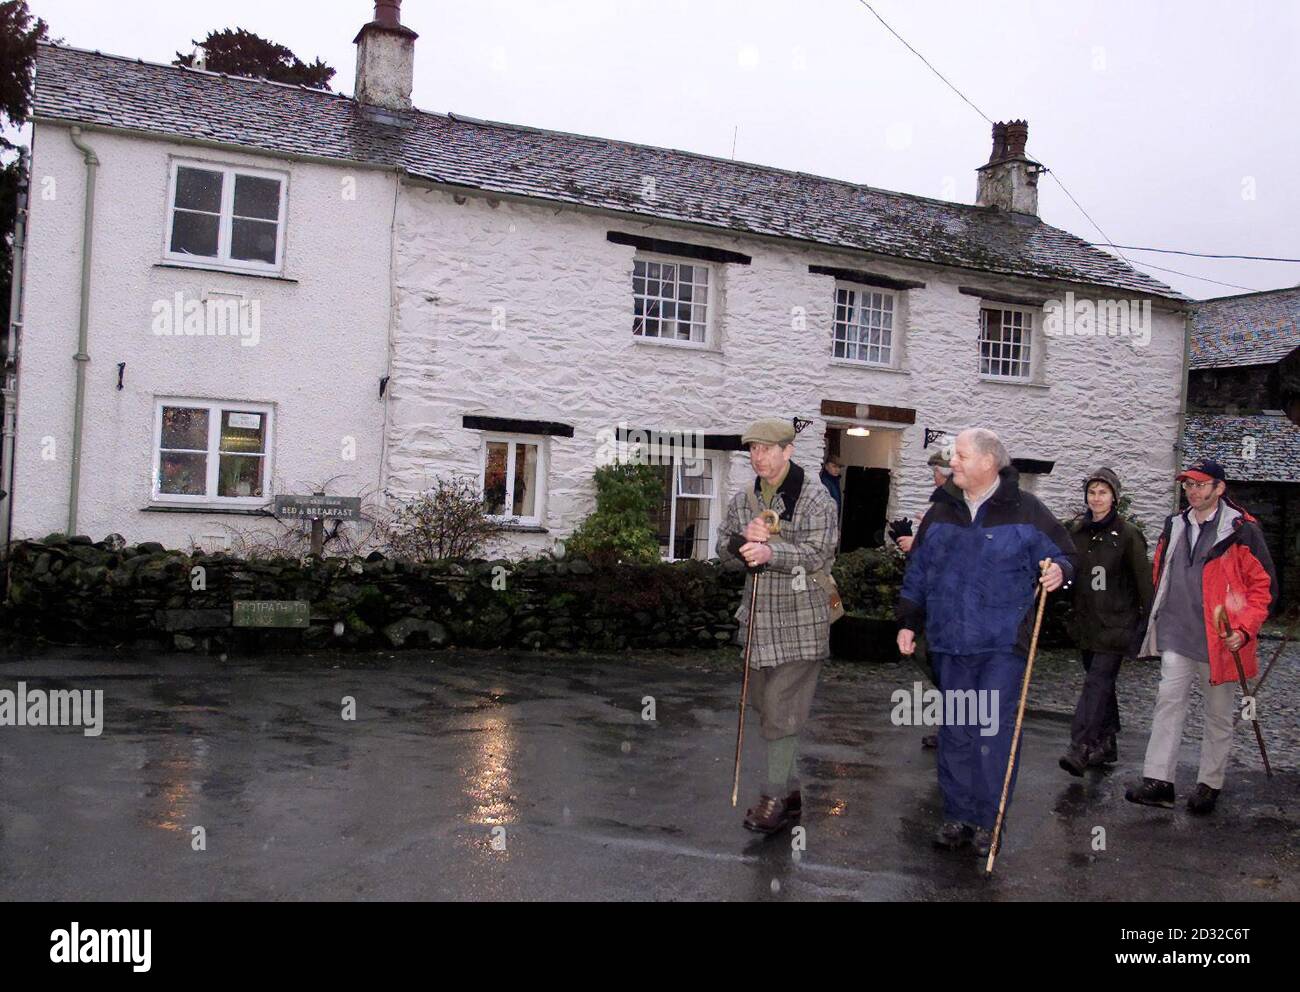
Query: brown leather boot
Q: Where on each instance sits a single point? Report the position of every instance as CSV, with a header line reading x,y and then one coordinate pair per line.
x,y
768,815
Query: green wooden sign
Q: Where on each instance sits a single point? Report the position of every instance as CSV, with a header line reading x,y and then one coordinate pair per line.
x,y
272,613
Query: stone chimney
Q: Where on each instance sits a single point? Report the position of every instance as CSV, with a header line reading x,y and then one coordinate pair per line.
x,y
385,59
1010,179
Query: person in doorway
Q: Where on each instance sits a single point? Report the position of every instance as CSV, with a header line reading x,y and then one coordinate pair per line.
x,y
830,476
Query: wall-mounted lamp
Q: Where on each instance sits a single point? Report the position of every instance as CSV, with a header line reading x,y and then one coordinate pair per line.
x,y
800,423
858,432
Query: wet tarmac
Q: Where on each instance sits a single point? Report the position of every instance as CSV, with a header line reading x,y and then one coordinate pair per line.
x,y
470,776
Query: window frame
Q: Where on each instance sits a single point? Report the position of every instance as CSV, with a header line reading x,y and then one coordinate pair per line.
x,y
1032,344
215,409
222,259
713,498
537,519
714,270
897,299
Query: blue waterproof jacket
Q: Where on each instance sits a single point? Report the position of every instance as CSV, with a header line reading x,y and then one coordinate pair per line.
x,y
970,584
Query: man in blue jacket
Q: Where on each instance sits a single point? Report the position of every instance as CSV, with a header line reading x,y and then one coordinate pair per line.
x,y
970,585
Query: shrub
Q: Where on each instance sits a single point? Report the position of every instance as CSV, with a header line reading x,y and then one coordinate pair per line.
x,y
869,581
620,527
447,521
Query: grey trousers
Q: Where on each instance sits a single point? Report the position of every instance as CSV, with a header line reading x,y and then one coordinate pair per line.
x,y
783,695
1177,673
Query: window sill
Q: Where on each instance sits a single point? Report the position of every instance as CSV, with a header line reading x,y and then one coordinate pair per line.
x,y
867,367
246,511
639,339
524,528
225,271
1021,383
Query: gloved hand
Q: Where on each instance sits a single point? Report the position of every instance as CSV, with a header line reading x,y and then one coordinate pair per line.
x,y
902,527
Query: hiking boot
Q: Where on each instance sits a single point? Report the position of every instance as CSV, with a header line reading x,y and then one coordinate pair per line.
x,y
1202,800
1104,753
984,839
1152,792
929,742
1074,761
953,835
768,815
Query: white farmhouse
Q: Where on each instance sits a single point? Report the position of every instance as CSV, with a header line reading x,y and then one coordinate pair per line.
x,y
275,288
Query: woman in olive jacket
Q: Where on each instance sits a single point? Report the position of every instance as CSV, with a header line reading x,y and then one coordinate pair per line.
x,y
1112,598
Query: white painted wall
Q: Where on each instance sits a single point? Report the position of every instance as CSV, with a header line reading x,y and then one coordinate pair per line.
x,y
322,350
562,349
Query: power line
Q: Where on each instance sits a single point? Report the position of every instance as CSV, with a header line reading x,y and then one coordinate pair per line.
x,y
1230,285
977,110
1197,254
1086,214
926,61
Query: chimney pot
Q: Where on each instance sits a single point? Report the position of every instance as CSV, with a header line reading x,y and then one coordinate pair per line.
x,y
1017,137
388,13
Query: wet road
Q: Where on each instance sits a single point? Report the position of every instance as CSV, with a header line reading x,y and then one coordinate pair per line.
x,y
473,776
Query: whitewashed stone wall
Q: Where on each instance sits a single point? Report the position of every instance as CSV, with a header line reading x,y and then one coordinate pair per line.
x,y
520,310
322,349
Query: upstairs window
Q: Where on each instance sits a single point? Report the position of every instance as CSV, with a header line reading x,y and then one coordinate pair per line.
x,y
1005,336
226,216
670,299
864,325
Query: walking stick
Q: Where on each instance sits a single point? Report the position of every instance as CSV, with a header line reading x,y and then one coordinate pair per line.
x,y
774,526
1221,622
744,687
1020,716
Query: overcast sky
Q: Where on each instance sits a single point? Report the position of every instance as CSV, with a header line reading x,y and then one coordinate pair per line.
x,y
1174,123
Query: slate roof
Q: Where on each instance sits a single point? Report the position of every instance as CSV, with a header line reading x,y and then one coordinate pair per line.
x,y
1221,437
110,91
1252,329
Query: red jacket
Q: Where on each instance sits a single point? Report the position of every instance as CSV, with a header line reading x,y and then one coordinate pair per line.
x,y
1238,574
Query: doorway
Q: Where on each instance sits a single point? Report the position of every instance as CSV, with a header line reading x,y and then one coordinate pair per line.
x,y
866,457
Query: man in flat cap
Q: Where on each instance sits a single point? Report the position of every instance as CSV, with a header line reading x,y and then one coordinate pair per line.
x,y
791,562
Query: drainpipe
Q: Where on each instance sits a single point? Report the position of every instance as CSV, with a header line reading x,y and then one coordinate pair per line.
x,y
83,325
10,390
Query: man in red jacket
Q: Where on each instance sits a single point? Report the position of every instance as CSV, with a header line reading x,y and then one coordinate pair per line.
x,y
1212,554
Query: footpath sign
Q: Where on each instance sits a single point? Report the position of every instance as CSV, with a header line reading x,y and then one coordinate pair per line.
x,y
272,613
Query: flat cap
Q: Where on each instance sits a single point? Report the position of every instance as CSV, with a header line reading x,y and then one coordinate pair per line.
x,y
769,430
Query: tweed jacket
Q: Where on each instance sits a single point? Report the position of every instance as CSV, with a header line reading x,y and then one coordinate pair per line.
x,y
792,621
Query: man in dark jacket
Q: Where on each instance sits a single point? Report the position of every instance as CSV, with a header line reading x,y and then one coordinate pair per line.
x,y
1111,601
970,585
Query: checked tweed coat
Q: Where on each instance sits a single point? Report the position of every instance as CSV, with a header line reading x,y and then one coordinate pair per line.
x,y
793,621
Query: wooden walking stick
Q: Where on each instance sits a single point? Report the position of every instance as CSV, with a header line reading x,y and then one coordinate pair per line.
x,y
1044,565
774,525
1221,622
744,687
